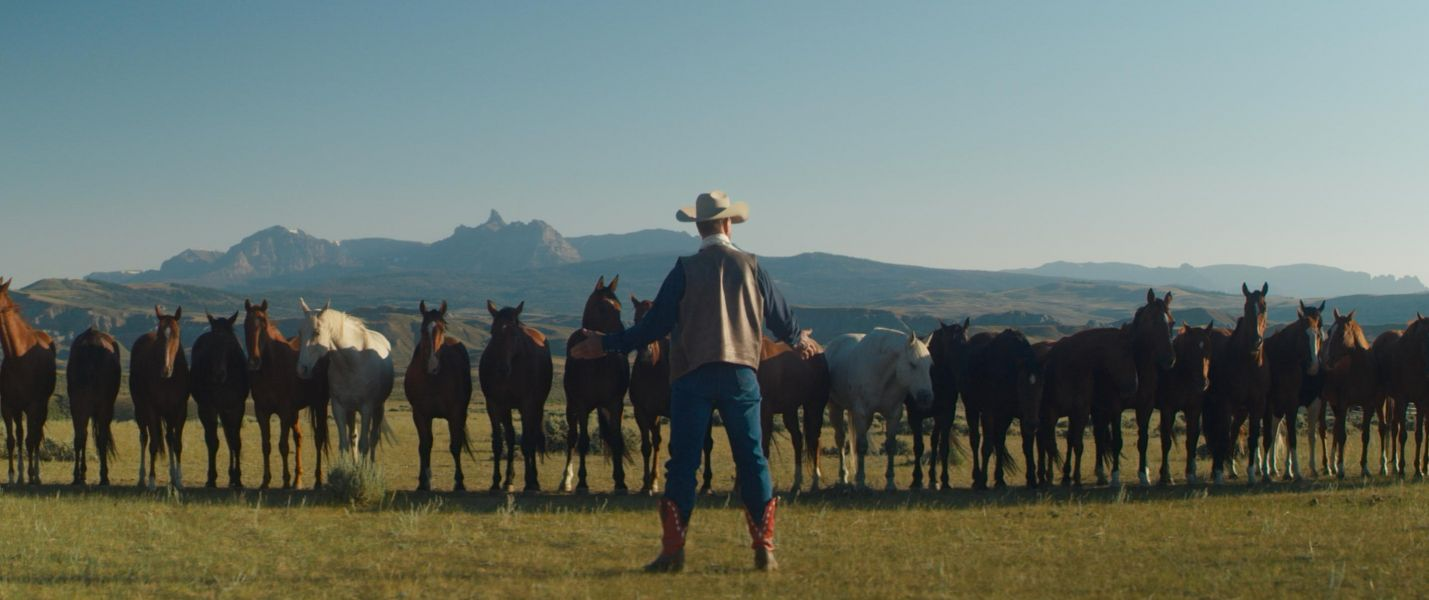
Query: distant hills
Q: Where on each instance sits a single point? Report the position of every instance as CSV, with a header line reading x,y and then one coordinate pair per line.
x,y
1304,280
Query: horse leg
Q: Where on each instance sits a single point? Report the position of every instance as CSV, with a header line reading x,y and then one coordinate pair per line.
x,y
655,440
318,416
36,419
647,471
456,432
582,448
208,417
1072,467
1029,452
510,430
143,445
999,429
285,423
890,444
1420,460
156,446
532,435
1237,422
1104,441
796,437
265,443
496,444
341,419
613,417
1167,428
81,445
1193,436
572,440
989,447
836,418
1367,416
10,455
297,428
1312,420
860,447
1143,442
974,419
915,425
1292,451
1338,456
424,451
175,423
232,422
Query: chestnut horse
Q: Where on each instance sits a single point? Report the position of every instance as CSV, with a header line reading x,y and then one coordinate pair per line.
x,y
220,389
27,380
650,400
1293,356
598,385
1350,380
1007,378
1406,369
438,385
1393,413
1075,368
515,373
159,385
948,345
1150,338
789,383
1240,379
277,390
1183,390
93,376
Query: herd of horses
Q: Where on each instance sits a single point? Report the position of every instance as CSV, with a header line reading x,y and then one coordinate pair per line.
x,y
1221,381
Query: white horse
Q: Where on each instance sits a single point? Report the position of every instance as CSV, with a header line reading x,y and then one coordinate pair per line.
x,y
359,373
873,373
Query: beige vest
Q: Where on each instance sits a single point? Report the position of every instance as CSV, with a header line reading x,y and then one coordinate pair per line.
x,y
721,314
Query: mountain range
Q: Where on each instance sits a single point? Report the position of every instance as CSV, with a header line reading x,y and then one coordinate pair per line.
x,y
1303,280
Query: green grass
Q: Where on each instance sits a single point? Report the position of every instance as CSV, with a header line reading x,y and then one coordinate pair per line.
x,y
1356,538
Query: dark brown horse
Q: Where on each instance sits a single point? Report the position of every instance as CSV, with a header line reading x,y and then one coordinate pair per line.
x,y
1007,379
788,384
597,385
1350,381
277,390
1183,390
1293,356
93,376
1075,368
438,385
1149,336
948,345
1405,368
1240,380
1393,413
27,380
650,400
220,390
515,373
159,385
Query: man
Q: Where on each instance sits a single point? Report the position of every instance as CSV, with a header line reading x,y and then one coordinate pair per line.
x,y
715,306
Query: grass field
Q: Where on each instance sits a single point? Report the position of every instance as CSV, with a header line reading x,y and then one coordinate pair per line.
x,y
1326,538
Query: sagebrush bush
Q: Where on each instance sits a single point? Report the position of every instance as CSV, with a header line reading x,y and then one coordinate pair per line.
x,y
356,483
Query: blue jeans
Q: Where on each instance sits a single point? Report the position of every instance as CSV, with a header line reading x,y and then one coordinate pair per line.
x,y
733,390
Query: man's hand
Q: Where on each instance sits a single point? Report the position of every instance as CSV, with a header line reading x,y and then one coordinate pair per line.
x,y
805,346
589,348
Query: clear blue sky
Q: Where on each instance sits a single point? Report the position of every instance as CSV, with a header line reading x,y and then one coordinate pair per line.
x,y
970,135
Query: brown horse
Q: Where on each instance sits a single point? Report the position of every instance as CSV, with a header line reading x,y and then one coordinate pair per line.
x,y
1293,356
948,345
159,385
650,400
1405,369
277,389
1240,379
438,385
220,390
1393,413
27,380
1149,336
1005,375
1075,368
597,385
789,383
515,373
1350,380
93,376
1183,390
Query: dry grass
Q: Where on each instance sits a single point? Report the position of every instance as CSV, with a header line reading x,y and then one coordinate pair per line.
x,y
1357,538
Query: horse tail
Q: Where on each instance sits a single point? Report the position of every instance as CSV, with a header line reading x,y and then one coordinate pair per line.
x,y
104,440
1008,461
390,436
612,437
317,420
533,433
158,436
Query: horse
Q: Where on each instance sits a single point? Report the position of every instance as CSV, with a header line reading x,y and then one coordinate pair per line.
x,y
277,390
219,378
159,385
1008,381
598,385
789,383
873,373
93,375
1149,336
1350,380
1405,368
650,400
1042,469
1240,379
975,394
515,374
948,346
27,380
1183,390
359,374
1293,354
1076,367
438,385
1393,413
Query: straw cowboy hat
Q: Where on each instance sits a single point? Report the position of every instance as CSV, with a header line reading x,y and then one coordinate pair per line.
x,y
712,206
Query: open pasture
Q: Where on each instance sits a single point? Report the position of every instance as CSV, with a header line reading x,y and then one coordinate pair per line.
x,y
1322,537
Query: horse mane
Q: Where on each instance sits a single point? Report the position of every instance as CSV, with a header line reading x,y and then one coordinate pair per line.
x,y
1355,334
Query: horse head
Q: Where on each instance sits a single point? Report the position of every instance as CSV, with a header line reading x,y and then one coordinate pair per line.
x,y
434,334
1151,328
505,327
6,303
168,335
650,354
1309,319
602,308
316,336
227,341
913,371
1255,311
255,331
1344,335
1193,353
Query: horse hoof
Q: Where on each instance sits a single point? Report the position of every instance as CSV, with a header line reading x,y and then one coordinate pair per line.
x,y
494,489
532,488
459,487
236,485
423,487
210,484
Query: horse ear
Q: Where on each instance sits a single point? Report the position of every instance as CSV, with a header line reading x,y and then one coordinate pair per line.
x,y
600,283
1418,316
234,318
634,300
520,307
1337,313
209,315
491,308
613,282
1150,295
912,337
1322,307
967,322
327,305
1169,297
1264,288
1210,326
942,325
1244,289
1351,316
1300,312
178,313
247,304
422,307
158,311
304,304
5,285
443,308
264,306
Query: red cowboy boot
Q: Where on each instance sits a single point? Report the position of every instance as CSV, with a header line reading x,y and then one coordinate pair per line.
x,y
763,536
672,541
